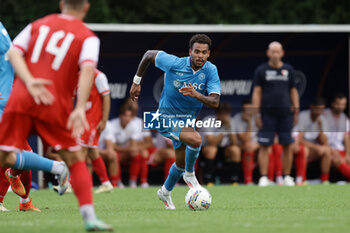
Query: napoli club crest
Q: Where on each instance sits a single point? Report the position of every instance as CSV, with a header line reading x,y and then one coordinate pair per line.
x,y
201,76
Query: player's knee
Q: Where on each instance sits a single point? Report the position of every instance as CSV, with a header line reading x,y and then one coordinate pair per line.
x,y
7,159
234,153
337,160
195,140
209,152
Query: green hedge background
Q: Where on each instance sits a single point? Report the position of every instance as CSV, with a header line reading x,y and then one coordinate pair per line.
x,y
15,14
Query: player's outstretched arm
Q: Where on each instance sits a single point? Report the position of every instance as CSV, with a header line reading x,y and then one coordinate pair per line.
x,y
77,119
148,57
212,100
36,86
106,106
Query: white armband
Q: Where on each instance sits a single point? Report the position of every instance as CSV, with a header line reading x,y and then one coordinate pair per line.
x,y
137,79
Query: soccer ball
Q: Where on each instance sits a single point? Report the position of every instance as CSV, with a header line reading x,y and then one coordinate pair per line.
x,y
198,199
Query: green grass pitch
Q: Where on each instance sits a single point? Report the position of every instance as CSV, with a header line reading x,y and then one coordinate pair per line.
x,y
313,208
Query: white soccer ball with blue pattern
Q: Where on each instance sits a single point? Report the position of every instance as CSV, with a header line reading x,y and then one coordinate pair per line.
x,y
198,199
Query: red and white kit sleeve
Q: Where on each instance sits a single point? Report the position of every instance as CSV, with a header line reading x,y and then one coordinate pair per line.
x,y
89,52
101,84
21,42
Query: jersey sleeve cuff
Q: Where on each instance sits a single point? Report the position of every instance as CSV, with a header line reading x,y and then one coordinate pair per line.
x,y
19,49
88,63
105,93
214,92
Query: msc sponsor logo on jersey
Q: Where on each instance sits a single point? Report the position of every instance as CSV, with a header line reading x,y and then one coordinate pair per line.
x,y
179,84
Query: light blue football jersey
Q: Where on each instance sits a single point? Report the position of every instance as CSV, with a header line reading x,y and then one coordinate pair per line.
x,y
6,70
178,73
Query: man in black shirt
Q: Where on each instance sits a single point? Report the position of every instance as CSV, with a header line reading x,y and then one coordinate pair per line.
x,y
276,97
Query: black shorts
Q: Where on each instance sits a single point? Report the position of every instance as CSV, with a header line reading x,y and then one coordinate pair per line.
x,y
282,125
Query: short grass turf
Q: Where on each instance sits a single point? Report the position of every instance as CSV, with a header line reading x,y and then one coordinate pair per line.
x,y
315,208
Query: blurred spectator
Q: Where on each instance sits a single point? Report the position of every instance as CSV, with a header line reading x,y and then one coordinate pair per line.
x,y
221,144
312,129
338,135
144,146
164,154
246,130
121,146
276,97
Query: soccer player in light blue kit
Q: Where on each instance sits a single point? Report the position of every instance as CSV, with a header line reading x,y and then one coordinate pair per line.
x,y
25,160
189,82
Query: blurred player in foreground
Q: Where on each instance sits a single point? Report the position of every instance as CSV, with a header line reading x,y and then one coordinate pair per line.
x,y
187,80
19,180
97,111
47,56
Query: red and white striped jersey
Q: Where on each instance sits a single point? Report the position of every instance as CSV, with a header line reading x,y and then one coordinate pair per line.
x,y
94,104
55,48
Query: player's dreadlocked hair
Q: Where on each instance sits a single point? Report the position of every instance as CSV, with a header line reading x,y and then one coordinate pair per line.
x,y
74,4
201,39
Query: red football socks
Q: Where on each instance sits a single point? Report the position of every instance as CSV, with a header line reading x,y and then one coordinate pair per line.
x,y
100,169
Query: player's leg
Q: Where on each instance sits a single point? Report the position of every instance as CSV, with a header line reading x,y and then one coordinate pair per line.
x,y
81,182
193,142
144,166
338,160
265,139
277,154
99,168
263,160
248,149
233,156
25,203
325,161
135,167
284,129
61,139
175,173
165,156
209,153
4,186
287,165
27,160
300,162
272,166
113,166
